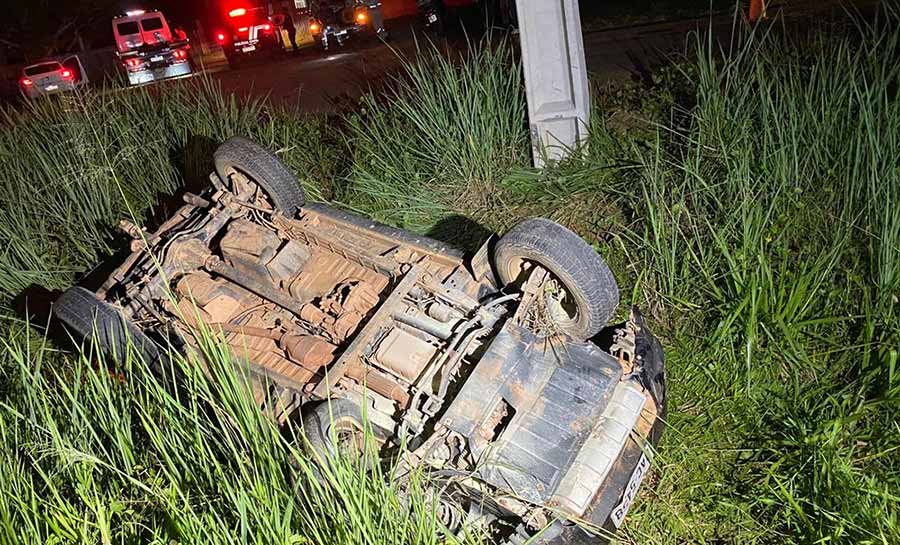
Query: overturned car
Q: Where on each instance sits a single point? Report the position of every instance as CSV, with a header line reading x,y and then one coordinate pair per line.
x,y
499,370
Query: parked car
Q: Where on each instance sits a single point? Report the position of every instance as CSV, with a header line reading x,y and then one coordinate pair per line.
x,y
50,77
335,22
248,33
499,372
149,49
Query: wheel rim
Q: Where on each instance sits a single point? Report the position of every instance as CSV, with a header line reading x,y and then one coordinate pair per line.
x,y
349,437
561,307
247,189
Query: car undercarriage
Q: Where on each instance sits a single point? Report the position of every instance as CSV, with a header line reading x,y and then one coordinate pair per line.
x,y
498,369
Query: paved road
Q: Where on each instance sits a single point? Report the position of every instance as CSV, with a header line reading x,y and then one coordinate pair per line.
x,y
320,81
317,81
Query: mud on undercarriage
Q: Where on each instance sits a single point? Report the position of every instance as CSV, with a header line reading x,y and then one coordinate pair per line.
x,y
500,367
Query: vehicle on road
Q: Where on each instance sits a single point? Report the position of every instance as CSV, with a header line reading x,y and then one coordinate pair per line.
x,y
434,15
51,76
334,22
498,373
248,32
148,49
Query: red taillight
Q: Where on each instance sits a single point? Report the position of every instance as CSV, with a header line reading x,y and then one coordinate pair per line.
x,y
133,63
180,54
267,27
243,29
239,12
66,74
27,82
220,37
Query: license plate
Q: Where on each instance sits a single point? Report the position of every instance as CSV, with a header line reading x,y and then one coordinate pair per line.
x,y
618,513
248,49
51,88
432,18
156,58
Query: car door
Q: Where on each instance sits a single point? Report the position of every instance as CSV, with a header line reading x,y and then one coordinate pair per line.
x,y
73,65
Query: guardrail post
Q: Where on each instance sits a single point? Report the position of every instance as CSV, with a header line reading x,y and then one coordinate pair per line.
x,y
555,76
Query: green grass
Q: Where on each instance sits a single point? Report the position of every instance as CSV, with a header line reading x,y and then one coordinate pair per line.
x,y
442,136
91,456
747,202
71,166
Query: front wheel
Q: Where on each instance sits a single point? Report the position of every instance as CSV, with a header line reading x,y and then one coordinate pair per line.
x,y
337,428
581,295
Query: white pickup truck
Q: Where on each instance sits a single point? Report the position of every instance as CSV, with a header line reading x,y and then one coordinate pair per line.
x,y
148,48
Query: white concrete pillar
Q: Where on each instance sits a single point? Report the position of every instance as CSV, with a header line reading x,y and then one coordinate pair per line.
x,y
556,80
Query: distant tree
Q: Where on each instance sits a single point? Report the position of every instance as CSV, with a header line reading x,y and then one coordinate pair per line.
x,y
47,27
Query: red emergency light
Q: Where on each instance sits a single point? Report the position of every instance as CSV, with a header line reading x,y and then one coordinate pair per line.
x,y
238,12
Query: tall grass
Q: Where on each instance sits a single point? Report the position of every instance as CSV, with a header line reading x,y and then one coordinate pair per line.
x,y
91,455
440,137
771,229
72,166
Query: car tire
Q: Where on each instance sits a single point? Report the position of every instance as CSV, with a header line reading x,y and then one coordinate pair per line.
x,y
87,317
326,419
262,167
584,274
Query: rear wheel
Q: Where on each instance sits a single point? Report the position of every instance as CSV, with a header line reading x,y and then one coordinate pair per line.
x,y
87,317
250,169
580,293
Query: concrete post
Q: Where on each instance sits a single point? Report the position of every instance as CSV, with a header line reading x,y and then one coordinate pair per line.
x,y
556,82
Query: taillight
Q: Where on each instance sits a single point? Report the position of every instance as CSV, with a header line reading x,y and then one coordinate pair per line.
x,y
66,74
180,54
220,37
27,82
133,63
239,12
267,27
361,17
243,29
